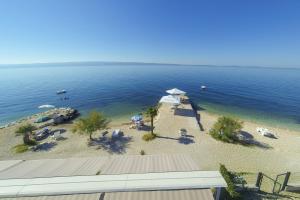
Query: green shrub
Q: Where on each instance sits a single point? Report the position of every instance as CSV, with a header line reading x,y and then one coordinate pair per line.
x,y
229,178
142,152
20,148
149,136
226,129
27,128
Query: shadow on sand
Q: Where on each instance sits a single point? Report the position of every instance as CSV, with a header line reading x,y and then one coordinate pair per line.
x,y
184,112
185,140
247,139
198,118
189,113
44,146
197,108
182,140
145,128
112,145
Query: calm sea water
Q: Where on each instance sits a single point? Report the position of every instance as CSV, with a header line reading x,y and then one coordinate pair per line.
x,y
120,90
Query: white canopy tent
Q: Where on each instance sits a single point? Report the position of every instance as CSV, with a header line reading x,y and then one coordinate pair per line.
x,y
175,91
170,99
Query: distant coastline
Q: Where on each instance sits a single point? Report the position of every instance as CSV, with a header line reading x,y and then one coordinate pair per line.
x,y
107,63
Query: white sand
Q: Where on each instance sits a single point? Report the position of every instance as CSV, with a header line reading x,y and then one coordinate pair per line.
x,y
283,155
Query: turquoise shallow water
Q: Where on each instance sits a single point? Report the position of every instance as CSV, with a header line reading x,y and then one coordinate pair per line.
x,y
270,95
251,115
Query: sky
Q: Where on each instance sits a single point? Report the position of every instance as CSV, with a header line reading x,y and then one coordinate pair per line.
x,y
214,32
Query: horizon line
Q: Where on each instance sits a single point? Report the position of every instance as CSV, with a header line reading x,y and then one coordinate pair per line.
x,y
140,62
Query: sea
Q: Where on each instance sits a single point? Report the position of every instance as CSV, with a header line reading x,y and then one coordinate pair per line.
x,y
120,90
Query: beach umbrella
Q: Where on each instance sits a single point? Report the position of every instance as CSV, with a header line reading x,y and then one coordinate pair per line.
x,y
169,99
46,106
137,118
176,91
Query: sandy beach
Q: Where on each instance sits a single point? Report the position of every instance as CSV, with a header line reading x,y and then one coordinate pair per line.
x,y
268,155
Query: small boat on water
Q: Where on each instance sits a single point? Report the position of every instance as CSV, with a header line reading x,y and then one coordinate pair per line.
x,y
203,87
61,92
46,106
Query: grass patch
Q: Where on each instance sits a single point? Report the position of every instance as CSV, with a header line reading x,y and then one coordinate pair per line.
x,y
149,136
20,148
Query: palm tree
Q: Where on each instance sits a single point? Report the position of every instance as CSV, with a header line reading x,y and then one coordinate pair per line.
x,y
93,122
26,130
152,112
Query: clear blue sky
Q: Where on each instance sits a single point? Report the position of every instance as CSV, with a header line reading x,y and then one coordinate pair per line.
x,y
224,32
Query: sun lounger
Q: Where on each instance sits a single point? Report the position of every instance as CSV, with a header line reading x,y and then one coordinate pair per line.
x,y
264,132
42,134
116,133
183,132
56,136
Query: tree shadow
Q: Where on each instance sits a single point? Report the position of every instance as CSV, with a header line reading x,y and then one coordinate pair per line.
x,y
246,135
185,140
184,112
44,146
182,140
198,117
145,128
247,139
197,108
112,145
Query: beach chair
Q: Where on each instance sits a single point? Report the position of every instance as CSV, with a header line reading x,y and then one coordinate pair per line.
x,y
42,134
183,132
116,133
56,136
265,132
